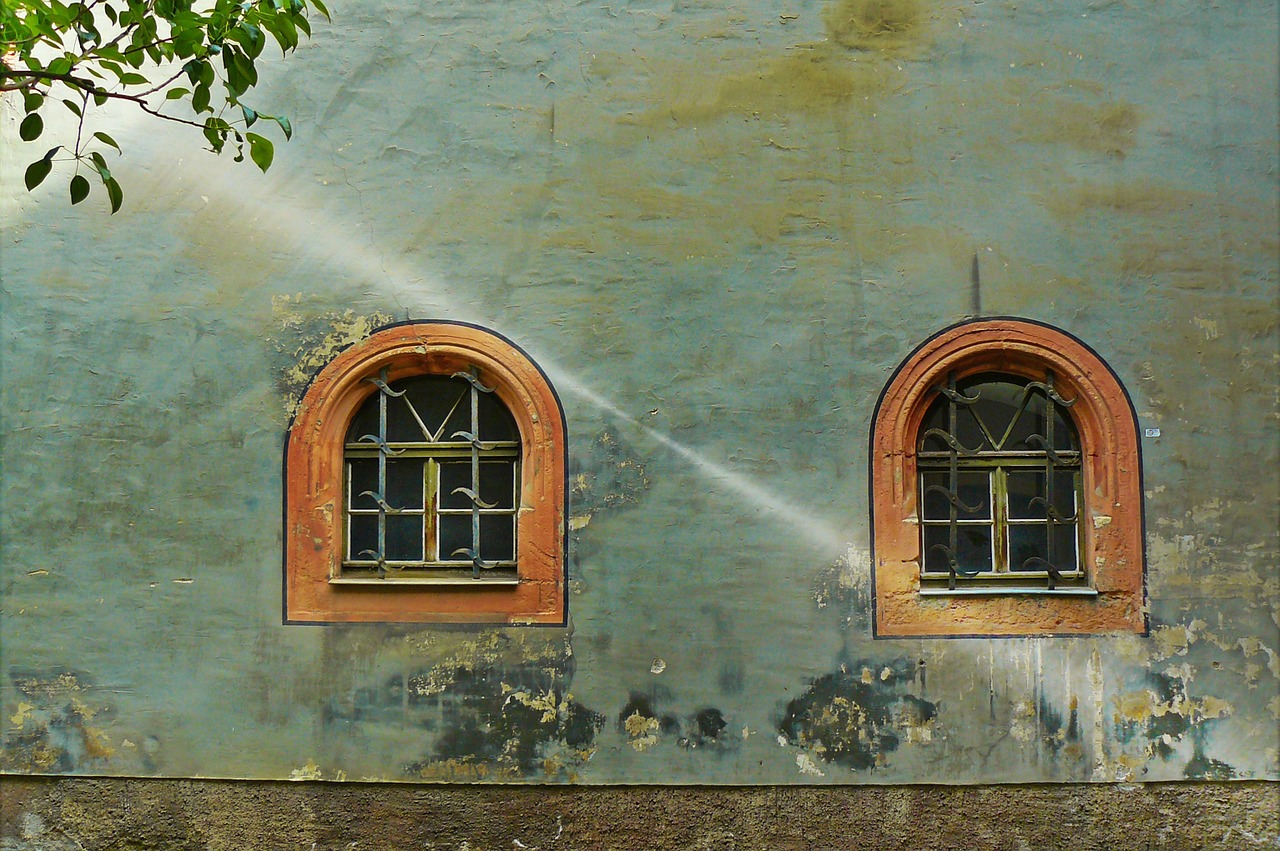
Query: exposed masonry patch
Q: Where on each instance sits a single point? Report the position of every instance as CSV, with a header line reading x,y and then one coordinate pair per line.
x,y
304,340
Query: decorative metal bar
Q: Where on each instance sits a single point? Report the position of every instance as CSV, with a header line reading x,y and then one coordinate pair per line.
x,y
1052,518
473,493
953,498
955,445
384,390
953,482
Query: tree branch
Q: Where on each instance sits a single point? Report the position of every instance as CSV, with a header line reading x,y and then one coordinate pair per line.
x,y
89,88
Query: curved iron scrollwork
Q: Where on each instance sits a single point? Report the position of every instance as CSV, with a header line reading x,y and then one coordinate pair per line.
x,y
995,421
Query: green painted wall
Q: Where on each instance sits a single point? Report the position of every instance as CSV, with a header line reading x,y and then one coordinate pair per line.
x,y
719,227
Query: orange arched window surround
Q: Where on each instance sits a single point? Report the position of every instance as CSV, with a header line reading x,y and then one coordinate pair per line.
x,y
1111,520
319,586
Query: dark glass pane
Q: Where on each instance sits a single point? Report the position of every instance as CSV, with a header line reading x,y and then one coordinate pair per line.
x,y
497,537
973,547
974,491
1065,541
934,419
455,534
433,397
404,482
1027,541
365,420
454,475
1022,487
1064,493
363,535
404,537
966,432
363,476
1064,431
496,423
497,483
998,400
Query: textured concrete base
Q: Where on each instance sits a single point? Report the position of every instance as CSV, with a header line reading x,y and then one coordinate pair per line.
x,y
83,814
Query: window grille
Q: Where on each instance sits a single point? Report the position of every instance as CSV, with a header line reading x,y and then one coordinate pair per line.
x,y
432,476
1000,487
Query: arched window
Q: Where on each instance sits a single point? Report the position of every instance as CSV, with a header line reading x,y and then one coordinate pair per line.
x,y
1006,489
425,482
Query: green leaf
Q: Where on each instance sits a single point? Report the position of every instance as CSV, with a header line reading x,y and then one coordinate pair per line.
x,y
321,8
31,100
200,98
100,164
37,172
261,151
31,127
284,125
130,79
79,188
72,106
174,94
114,193
106,140
249,115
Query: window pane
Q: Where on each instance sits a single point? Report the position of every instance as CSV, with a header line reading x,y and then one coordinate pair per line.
x,y
455,534
363,476
454,475
1031,541
497,483
974,491
497,537
433,398
967,431
1028,541
496,423
404,537
973,545
1024,486
363,535
998,401
404,482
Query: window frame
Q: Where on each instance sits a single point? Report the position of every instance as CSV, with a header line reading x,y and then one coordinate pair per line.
x,y
315,590
1111,516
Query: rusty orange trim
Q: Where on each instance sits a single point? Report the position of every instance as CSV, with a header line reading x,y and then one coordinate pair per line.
x,y
1112,514
313,484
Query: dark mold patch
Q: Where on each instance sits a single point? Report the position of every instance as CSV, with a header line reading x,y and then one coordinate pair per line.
x,y
643,725
858,715
705,730
512,722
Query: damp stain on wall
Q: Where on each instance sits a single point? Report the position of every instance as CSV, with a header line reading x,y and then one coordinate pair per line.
x,y
856,717
492,706
60,726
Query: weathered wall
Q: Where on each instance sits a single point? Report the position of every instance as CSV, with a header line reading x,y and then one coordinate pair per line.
x,y
719,227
